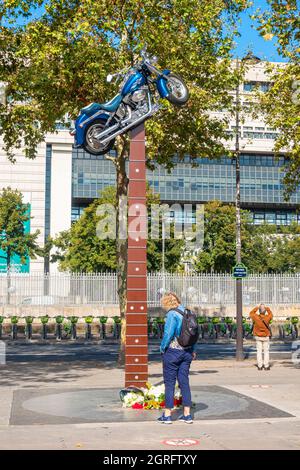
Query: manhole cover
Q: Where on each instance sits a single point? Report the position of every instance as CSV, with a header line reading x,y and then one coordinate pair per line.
x,y
181,442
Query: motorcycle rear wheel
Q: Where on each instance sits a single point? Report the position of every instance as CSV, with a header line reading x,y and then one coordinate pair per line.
x,y
92,145
178,91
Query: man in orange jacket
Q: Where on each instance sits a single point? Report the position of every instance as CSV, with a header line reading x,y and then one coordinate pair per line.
x,y
262,334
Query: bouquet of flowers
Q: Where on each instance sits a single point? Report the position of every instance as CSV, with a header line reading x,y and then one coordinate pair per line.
x,y
150,398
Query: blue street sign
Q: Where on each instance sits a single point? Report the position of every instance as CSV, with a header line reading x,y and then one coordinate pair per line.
x,y
239,271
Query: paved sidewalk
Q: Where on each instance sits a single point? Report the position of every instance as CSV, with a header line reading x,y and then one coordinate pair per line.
x,y
276,390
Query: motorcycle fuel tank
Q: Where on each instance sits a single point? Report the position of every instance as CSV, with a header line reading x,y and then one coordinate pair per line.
x,y
134,82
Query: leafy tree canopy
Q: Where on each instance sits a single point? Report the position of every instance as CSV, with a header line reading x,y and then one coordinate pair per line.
x,y
13,239
79,249
281,104
265,248
57,63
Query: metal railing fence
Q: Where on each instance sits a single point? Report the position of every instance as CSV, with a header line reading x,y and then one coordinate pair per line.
x,y
67,289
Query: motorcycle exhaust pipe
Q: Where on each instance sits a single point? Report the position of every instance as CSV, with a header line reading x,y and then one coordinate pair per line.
x,y
132,124
112,128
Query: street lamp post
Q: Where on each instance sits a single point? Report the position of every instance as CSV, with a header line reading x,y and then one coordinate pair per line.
x,y
239,283
163,244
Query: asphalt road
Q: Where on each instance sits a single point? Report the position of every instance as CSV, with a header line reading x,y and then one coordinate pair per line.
x,y
108,352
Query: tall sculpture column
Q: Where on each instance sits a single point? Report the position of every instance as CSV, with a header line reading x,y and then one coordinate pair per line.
x,y
136,350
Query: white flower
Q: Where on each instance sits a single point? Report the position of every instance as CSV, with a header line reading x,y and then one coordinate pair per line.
x,y
156,392
131,398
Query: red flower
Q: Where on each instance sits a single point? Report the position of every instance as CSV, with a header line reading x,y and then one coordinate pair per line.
x,y
162,404
137,406
177,401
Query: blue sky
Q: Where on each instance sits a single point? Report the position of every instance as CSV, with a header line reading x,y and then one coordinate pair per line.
x,y
249,39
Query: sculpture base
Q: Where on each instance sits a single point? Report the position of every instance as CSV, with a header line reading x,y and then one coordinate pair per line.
x,y
63,406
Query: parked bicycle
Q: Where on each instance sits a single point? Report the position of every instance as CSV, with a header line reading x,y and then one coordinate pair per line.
x,y
202,321
161,326
222,328
229,322
212,327
289,329
247,328
117,327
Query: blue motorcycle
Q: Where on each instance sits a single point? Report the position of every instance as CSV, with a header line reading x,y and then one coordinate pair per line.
x,y
142,86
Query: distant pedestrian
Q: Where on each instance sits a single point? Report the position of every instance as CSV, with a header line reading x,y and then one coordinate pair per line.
x,y
261,317
180,327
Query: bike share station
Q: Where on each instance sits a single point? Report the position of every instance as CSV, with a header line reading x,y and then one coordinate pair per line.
x,y
63,406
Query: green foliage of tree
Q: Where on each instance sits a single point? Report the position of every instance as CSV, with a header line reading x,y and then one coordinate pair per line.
x,y
265,248
282,250
13,239
218,252
58,63
79,249
281,104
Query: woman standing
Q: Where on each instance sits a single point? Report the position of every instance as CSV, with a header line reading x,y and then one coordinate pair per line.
x,y
176,360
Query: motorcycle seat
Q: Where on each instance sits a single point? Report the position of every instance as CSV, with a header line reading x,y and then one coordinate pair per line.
x,y
110,106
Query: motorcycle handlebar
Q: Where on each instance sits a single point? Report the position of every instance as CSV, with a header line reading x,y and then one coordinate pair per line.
x,y
149,61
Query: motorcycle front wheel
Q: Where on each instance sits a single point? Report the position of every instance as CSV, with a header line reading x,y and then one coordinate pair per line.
x,y
91,144
178,91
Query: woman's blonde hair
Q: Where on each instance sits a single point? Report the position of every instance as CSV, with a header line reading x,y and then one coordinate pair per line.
x,y
170,301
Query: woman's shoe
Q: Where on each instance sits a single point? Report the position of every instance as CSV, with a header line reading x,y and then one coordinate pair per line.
x,y
267,368
165,419
186,419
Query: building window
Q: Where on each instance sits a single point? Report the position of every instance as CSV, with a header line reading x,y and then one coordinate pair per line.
x,y
76,212
261,86
275,218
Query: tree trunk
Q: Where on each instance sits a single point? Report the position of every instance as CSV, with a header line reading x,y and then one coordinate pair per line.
x,y
121,242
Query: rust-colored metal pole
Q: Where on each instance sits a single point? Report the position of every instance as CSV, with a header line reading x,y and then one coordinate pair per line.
x,y
136,350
